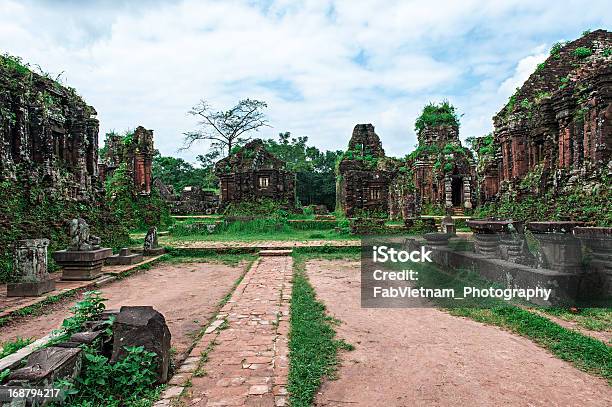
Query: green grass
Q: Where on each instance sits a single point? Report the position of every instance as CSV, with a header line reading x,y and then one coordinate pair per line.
x,y
271,233
230,258
312,339
592,319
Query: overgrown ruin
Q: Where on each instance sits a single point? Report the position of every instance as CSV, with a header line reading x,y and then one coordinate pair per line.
x,y
136,152
553,139
362,187
253,173
48,161
444,171
439,176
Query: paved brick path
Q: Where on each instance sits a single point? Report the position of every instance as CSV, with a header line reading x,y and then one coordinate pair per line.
x,y
246,346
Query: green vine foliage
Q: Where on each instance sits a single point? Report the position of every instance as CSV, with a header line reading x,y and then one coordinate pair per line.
x,y
437,114
576,204
136,211
259,208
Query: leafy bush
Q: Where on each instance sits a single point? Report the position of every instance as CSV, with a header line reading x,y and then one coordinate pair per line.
x,y
89,308
127,382
10,347
556,48
583,52
436,115
136,211
258,208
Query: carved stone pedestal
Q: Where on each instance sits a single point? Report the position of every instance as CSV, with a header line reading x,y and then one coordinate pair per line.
x,y
503,239
30,264
81,265
437,239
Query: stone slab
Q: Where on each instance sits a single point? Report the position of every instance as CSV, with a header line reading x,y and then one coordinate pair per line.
x,y
34,289
118,260
72,256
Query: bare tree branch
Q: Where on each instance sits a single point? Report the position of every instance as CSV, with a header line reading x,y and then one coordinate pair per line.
x,y
226,127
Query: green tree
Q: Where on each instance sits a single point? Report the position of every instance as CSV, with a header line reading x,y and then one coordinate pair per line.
x,y
315,176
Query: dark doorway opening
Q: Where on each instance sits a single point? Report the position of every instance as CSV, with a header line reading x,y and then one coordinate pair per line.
x,y
457,191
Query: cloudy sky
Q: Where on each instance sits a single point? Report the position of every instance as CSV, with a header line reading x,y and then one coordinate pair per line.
x,y
322,66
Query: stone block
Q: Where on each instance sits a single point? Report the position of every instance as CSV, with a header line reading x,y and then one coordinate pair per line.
x,y
123,258
46,366
30,265
142,326
34,289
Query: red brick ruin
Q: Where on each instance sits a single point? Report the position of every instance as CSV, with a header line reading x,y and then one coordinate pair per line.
x,y
136,151
559,123
253,173
48,136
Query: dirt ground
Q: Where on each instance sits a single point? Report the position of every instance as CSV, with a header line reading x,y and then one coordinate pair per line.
x,y
185,293
425,357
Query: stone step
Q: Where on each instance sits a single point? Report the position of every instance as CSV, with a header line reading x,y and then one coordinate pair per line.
x,y
276,252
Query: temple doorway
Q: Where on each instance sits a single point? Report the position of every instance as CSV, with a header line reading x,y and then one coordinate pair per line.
x,y
457,191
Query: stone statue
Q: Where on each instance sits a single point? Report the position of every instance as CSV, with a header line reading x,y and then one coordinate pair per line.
x,y
150,241
80,239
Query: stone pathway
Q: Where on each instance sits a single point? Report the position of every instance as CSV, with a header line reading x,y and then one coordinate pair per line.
x,y
242,359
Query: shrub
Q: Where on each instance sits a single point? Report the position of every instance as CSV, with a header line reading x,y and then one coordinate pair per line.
x,y
436,115
127,382
583,52
89,308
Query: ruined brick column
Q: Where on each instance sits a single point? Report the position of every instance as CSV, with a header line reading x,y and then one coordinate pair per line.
x,y
467,193
30,264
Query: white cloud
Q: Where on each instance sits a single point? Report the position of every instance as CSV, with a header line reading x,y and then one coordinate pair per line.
x,y
524,68
147,63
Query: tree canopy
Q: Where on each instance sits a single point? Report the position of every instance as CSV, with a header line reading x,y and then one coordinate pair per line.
x,y
315,176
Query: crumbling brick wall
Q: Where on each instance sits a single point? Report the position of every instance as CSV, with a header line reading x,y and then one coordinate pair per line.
x,y
48,134
136,150
48,163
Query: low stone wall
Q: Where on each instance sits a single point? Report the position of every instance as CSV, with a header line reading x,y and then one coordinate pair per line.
x,y
567,287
